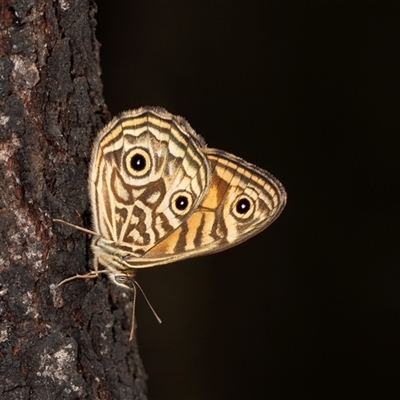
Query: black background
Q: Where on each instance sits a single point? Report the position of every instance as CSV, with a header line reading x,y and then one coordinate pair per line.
x,y
310,308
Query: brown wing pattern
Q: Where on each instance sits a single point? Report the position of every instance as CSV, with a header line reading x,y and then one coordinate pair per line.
x,y
241,201
147,174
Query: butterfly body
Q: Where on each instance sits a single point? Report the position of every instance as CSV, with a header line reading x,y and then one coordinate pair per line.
x,y
159,194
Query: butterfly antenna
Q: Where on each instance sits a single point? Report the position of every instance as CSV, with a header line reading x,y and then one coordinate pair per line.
x,y
148,302
133,314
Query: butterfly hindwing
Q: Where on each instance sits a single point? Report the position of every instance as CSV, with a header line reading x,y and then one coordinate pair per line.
x,y
241,201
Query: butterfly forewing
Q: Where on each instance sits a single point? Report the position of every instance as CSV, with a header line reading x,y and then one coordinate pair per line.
x,y
147,174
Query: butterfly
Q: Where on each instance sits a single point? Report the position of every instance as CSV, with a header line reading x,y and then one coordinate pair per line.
x,y
159,194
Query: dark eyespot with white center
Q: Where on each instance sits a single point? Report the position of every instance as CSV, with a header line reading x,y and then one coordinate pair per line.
x,y
138,162
181,202
243,207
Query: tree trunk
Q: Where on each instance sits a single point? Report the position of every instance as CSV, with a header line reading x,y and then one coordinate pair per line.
x,y
68,342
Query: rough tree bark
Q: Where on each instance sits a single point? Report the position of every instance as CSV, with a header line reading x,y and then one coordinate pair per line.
x,y
69,342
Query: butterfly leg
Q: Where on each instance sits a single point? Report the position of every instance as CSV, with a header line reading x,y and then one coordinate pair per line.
x,y
80,228
90,275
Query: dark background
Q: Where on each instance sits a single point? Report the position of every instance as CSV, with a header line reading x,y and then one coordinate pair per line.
x,y
310,308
